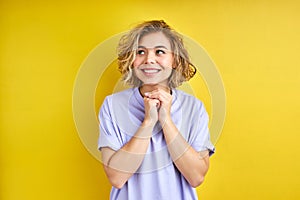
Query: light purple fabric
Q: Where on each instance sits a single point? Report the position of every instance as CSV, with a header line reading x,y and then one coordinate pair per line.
x,y
120,116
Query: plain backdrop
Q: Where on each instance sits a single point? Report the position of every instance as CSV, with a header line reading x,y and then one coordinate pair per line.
x,y
255,45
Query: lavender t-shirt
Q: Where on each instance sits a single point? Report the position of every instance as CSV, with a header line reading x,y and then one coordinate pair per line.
x,y
120,116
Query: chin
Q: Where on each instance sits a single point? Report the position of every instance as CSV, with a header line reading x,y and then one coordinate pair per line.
x,y
152,83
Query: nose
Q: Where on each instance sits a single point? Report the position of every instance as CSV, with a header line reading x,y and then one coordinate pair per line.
x,y
150,59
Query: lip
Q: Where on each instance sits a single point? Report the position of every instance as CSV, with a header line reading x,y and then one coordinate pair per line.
x,y
150,71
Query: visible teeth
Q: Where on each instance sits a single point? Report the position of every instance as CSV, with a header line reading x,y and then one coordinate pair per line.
x,y
151,70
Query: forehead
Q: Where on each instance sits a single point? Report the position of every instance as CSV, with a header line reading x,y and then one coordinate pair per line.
x,y
152,40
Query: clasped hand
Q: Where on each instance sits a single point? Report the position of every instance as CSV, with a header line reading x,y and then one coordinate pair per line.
x,y
157,106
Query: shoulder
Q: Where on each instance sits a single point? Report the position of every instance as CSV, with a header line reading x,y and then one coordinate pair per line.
x,y
187,99
190,104
122,94
116,99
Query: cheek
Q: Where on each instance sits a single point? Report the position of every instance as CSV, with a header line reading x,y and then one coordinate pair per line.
x,y
167,62
137,62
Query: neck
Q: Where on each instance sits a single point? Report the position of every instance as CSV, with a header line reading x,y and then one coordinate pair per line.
x,y
149,88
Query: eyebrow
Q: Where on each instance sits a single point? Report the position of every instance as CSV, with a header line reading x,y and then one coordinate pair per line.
x,y
156,47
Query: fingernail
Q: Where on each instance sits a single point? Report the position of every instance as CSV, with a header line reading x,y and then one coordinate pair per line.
x,y
146,93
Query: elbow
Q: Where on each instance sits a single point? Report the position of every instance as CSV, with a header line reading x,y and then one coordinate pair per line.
x,y
117,185
196,181
115,178
116,182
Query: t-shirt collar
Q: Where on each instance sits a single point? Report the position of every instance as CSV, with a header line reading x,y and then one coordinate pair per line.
x,y
140,99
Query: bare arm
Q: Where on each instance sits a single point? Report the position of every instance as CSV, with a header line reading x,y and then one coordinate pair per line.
x,y
193,165
120,165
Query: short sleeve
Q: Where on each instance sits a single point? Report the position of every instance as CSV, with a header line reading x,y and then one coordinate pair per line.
x,y
200,131
109,135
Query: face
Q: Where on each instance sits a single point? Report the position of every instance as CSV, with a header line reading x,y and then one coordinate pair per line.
x,y
154,59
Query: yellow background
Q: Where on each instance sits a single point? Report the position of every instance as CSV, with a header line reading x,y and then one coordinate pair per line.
x,y
255,45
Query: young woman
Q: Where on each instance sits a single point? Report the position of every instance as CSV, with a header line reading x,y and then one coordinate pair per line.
x,y
154,139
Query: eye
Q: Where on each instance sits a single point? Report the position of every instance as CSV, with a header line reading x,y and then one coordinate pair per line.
x,y
140,52
159,52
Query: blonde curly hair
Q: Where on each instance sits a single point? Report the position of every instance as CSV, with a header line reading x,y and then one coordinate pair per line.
x,y
128,44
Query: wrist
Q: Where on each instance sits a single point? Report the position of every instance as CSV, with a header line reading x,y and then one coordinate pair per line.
x,y
166,121
148,123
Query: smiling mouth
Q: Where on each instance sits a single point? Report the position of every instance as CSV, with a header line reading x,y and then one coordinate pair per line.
x,y
150,71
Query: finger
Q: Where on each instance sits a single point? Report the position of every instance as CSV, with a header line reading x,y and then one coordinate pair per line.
x,y
152,102
163,97
154,94
155,102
